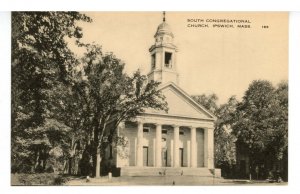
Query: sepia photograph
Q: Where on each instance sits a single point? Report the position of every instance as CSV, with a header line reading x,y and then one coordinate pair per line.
x,y
159,98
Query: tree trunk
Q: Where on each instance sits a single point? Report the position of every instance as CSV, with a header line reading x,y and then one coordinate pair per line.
x,y
250,167
98,161
37,160
70,166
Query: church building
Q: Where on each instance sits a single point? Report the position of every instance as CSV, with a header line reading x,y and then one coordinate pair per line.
x,y
178,142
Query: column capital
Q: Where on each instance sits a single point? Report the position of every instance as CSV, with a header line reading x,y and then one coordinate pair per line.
x,y
140,122
158,124
175,125
209,128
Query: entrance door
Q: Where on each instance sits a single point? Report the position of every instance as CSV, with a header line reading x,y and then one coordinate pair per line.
x,y
181,156
164,157
145,156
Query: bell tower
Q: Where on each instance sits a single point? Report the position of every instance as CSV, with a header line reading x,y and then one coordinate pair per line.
x,y
163,55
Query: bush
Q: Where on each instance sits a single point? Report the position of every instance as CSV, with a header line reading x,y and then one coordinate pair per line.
x,y
39,169
24,169
14,169
49,169
37,179
59,180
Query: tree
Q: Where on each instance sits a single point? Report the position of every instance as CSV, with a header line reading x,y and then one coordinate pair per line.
x,y
41,60
208,101
262,121
110,97
225,149
277,142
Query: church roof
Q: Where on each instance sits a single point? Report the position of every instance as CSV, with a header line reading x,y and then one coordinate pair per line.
x,y
181,104
164,28
186,95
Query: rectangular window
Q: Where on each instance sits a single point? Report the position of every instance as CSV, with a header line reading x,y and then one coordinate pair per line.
x,y
146,130
164,131
168,59
181,132
153,61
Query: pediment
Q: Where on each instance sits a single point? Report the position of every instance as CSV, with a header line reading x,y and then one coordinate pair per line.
x,y
181,104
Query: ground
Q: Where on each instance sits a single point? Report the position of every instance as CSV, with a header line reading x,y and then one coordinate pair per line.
x,y
166,180
55,179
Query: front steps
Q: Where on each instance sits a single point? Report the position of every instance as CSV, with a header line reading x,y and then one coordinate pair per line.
x,y
165,171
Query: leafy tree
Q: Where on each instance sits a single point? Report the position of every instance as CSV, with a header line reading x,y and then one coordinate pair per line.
x,y
225,149
262,121
277,142
109,97
208,101
41,60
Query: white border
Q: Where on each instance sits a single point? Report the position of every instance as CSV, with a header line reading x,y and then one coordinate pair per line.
x,y
208,5
154,5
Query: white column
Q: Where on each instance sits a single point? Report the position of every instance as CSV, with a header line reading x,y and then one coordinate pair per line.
x,y
139,154
120,130
171,153
193,148
209,148
154,152
188,153
176,146
169,150
158,146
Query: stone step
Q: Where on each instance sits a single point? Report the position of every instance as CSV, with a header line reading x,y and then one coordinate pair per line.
x,y
148,171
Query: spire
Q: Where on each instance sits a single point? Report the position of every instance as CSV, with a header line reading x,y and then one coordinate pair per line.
x,y
164,28
163,55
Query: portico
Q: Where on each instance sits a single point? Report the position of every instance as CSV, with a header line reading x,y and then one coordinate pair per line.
x,y
164,141
189,145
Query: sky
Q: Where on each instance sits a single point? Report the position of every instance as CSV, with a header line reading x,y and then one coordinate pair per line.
x,y
210,59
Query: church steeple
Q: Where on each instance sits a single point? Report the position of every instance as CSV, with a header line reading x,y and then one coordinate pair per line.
x,y
163,55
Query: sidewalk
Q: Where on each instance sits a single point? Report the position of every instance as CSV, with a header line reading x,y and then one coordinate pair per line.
x,y
166,181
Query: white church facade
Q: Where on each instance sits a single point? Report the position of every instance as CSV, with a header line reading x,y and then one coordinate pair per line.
x,y
181,140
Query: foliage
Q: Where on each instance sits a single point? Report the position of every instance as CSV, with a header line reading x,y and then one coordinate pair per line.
x,y
37,145
279,138
262,121
41,60
225,150
254,115
108,96
50,85
38,179
208,101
